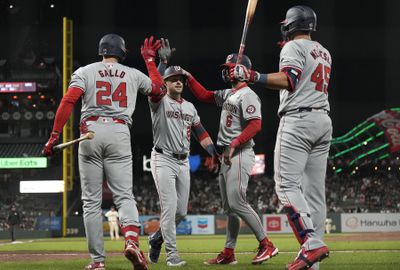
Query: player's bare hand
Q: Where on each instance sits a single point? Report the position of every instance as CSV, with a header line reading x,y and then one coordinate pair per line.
x,y
48,147
149,49
186,73
243,74
165,52
227,155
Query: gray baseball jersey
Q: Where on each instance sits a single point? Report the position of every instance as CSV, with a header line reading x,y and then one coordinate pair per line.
x,y
303,141
110,89
109,92
311,61
238,106
172,123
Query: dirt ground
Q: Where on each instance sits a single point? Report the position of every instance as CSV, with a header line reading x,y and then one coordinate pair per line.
x,y
45,256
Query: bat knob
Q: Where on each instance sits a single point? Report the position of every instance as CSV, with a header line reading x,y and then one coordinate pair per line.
x,y
90,135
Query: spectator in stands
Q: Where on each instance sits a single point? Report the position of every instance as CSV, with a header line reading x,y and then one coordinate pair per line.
x,y
112,217
13,220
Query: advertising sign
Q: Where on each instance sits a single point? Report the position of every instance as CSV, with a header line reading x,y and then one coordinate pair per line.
x,y
371,222
276,223
20,163
192,224
201,224
221,223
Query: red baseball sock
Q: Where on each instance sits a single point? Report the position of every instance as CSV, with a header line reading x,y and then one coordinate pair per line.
x,y
131,232
265,242
228,251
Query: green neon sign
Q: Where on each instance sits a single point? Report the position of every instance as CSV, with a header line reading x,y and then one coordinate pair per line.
x,y
20,163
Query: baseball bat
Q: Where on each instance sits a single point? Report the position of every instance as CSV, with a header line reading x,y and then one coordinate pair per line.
x,y
60,147
251,8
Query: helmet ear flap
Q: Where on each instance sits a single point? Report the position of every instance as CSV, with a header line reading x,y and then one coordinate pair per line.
x,y
225,75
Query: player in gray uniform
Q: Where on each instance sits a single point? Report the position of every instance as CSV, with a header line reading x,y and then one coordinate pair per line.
x,y
174,119
240,121
108,90
304,134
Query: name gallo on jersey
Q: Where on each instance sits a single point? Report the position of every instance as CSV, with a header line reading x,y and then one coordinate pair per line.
x,y
111,73
179,115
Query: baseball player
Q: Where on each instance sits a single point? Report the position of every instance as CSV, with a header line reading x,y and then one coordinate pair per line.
x,y
305,131
240,121
108,90
174,119
112,217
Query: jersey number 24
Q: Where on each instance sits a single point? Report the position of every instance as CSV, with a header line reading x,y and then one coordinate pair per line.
x,y
320,77
104,96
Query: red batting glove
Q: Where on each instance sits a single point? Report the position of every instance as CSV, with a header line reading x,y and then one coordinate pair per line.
x,y
241,73
48,147
213,164
149,49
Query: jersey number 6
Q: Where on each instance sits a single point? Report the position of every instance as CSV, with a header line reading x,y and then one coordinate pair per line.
x,y
104,92
321,77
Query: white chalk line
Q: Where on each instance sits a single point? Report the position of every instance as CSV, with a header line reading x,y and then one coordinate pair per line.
x,y
196,253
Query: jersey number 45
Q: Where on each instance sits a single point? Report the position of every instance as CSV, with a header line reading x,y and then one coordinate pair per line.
x,y
104,95
320,77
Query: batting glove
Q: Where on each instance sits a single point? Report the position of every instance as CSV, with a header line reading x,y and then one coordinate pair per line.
x,y
213,164
241,73
48,147
165,52
149,49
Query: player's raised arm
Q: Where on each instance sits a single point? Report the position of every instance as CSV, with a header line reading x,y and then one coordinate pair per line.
x,y
165,53
148,51
198,90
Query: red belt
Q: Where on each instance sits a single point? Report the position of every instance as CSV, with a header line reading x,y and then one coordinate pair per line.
x,y
95,118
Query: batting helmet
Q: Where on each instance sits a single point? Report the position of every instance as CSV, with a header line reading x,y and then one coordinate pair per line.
x,y
173,71
112,45
231,61
298,18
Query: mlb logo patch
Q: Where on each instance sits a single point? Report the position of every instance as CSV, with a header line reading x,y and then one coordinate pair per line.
x,y
274,224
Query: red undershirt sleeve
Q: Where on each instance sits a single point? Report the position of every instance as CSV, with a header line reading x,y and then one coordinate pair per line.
x,y
157,85
252,128
199,91
65,109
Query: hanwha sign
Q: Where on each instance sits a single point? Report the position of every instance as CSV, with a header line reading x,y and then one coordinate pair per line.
x,y
352,222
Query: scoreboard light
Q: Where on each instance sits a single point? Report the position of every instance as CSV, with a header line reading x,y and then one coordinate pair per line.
x,y
17,87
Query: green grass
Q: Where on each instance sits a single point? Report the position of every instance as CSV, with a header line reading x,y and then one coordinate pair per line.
x,y
358,255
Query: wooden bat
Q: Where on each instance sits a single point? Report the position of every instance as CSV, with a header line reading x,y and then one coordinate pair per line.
x,y
251,8
87,136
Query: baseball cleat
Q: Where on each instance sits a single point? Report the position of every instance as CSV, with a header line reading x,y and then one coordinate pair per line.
x,y
136,256
222,259
155,244
306,258
175,261
96,266
265,252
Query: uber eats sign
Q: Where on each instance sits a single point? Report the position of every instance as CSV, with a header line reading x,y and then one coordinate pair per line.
x,y
20,163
